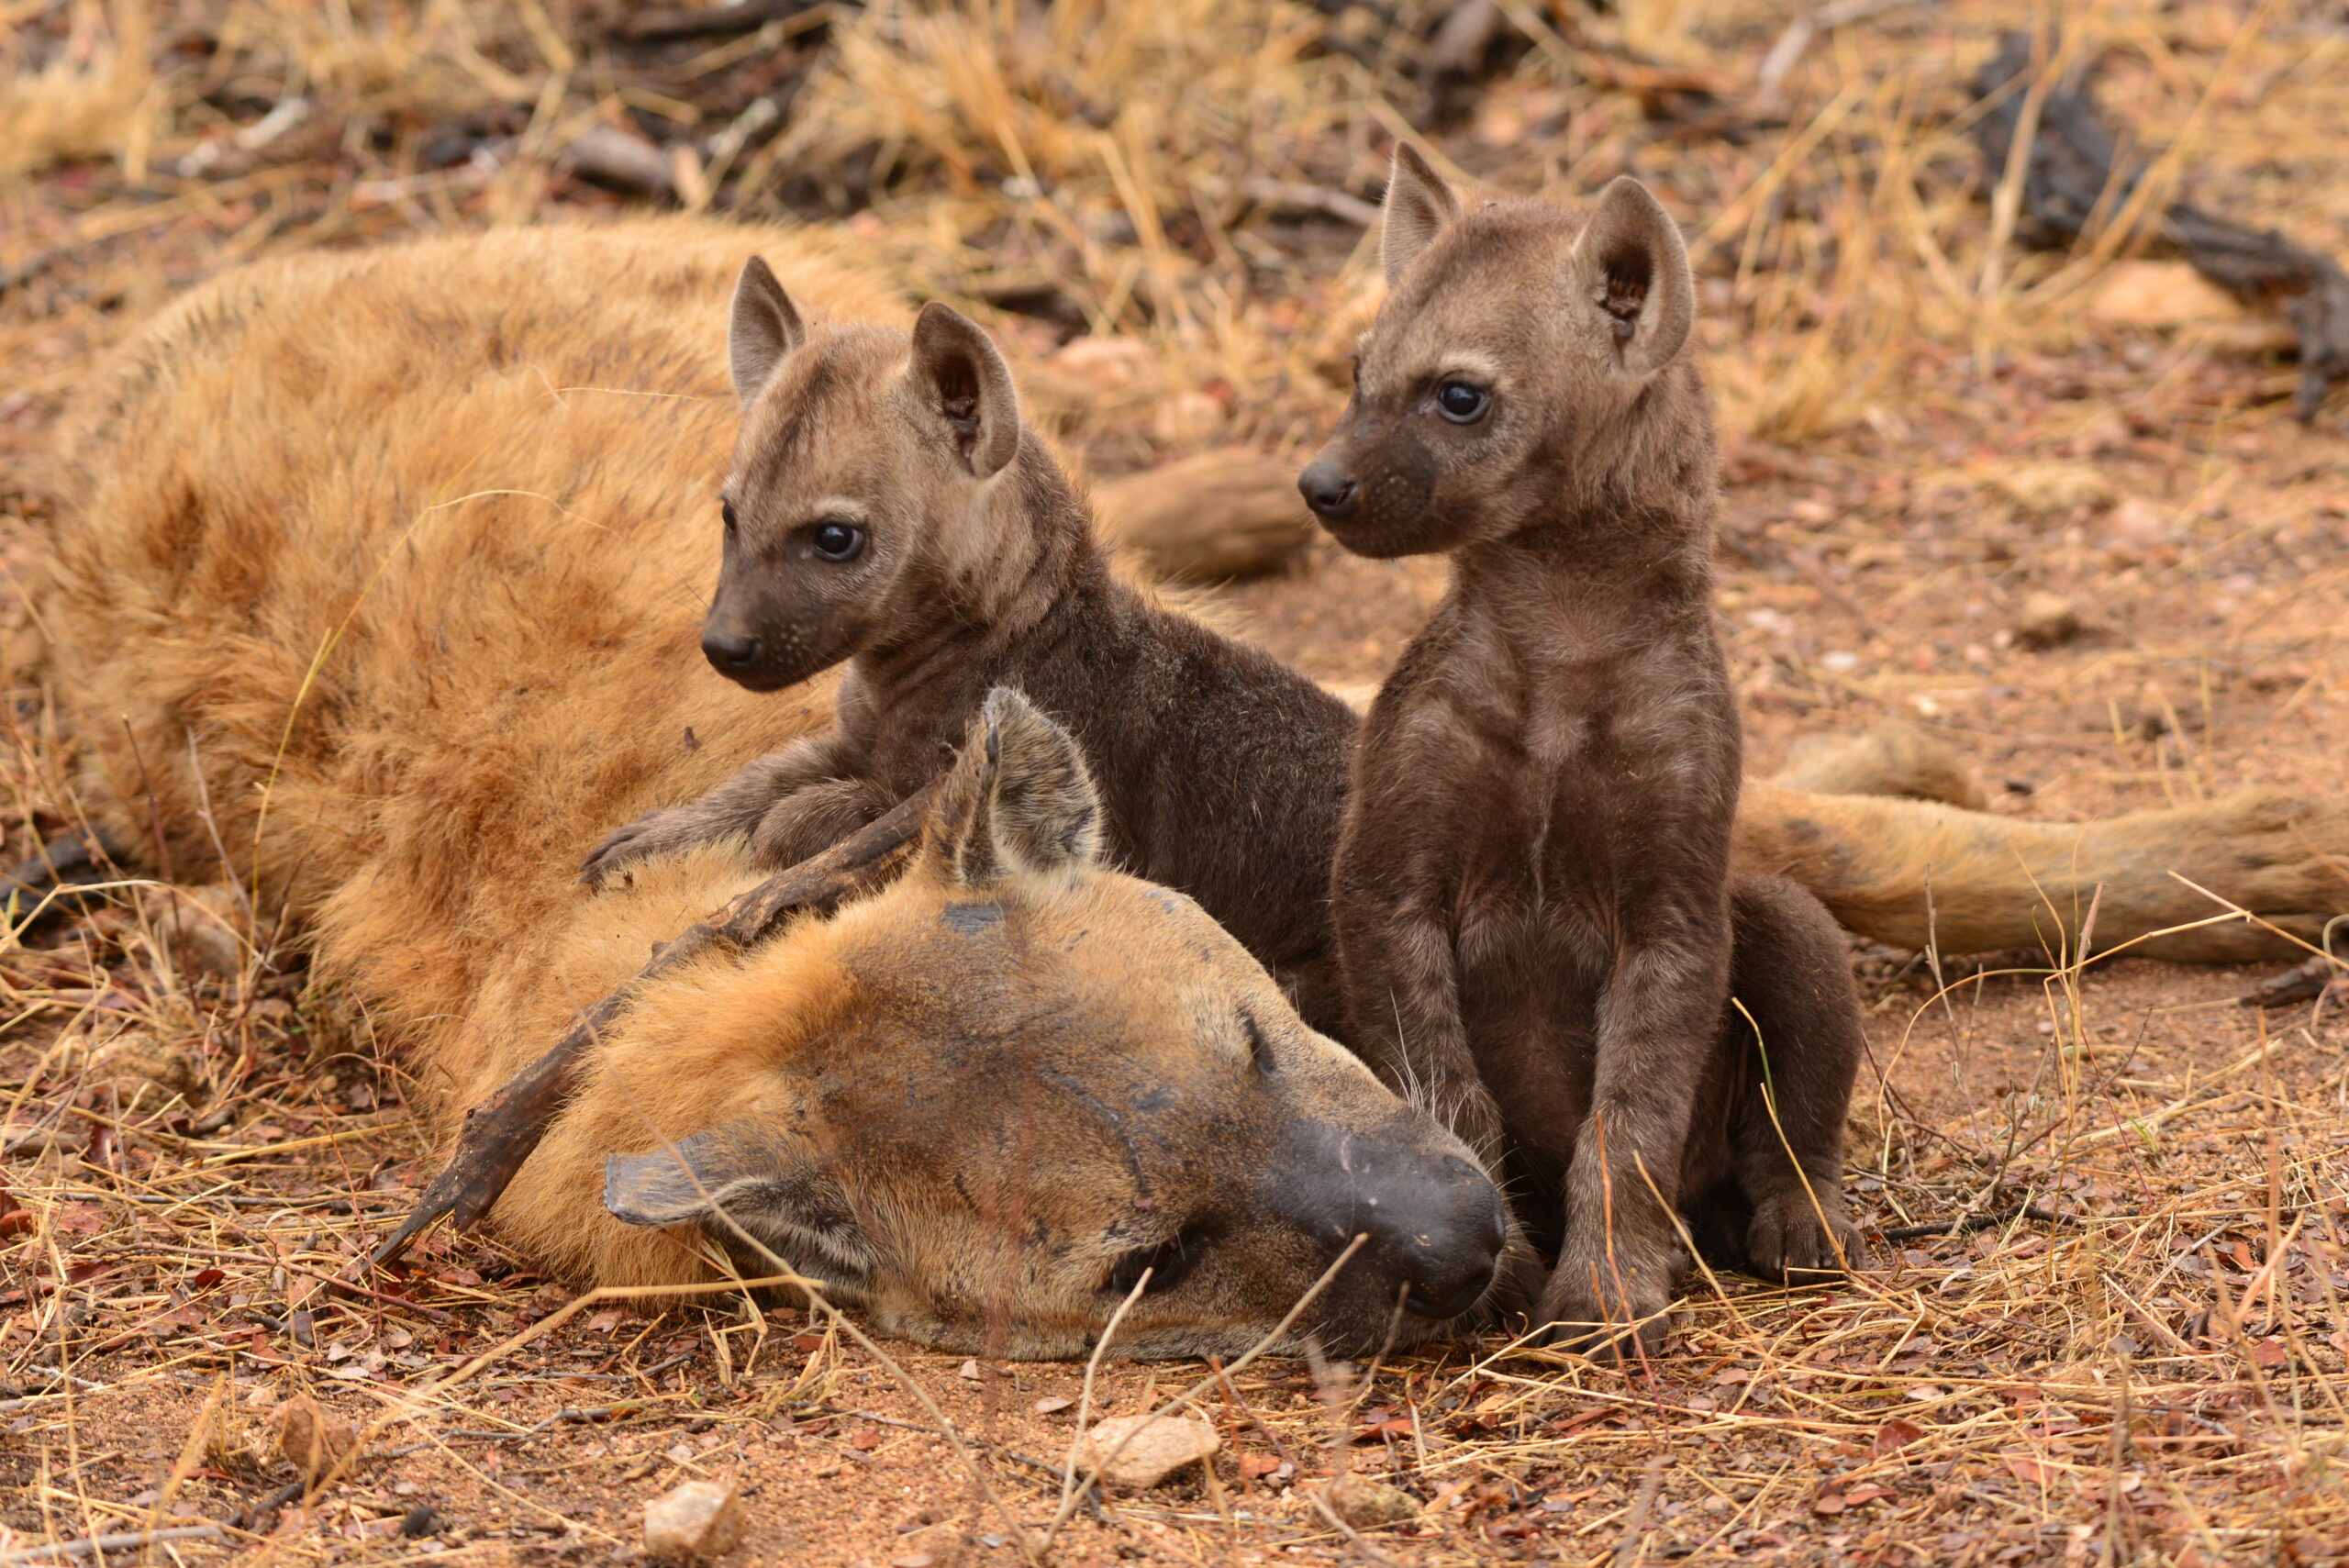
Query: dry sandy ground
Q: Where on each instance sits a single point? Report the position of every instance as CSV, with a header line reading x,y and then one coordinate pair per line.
x,y
2156,1377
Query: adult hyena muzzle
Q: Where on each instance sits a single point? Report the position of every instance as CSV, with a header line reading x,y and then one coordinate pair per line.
x,y
1433,1221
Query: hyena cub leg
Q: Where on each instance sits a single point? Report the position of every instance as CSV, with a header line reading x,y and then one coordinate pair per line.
x,y
810,820
1402,988
738,809
1791,971
1658,1018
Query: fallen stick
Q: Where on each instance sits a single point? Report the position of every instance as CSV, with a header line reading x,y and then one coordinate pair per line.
x,y
500,1133
96,1545
2076,175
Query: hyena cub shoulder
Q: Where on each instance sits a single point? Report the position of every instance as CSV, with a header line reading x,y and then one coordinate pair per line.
x,y
887,508
1538,924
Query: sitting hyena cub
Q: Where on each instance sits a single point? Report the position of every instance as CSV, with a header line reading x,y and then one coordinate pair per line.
x,y
1533,895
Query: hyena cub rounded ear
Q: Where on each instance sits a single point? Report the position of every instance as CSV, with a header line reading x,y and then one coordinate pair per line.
x,y
1420,206
1631,265
957,374
761,329
1019,801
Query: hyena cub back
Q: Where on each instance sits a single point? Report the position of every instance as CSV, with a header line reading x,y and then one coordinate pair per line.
x,y
1537,919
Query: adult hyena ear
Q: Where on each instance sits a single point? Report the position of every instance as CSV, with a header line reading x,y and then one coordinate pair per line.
x,y
1018,800
1632,266
737,1179
1418,207
762,327
957,372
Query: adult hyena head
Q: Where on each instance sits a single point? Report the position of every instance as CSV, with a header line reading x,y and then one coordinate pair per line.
x,y
1529,361
879,483
993,1101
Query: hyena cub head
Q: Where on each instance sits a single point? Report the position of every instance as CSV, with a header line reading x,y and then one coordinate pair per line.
x,y
1530,363
867,467
993,1101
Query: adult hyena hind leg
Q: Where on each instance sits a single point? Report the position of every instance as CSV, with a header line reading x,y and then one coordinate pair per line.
x,y
1792,970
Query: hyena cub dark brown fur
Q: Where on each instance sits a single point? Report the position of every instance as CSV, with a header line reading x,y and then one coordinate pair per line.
x,y
1537,919
887,508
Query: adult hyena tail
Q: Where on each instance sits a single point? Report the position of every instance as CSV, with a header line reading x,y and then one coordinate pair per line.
x,y
1880,828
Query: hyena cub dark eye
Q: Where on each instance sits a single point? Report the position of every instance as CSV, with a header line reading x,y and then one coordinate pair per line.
x,y
836,542
1461,403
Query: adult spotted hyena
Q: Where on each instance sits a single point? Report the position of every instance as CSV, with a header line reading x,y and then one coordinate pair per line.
x,y
381,575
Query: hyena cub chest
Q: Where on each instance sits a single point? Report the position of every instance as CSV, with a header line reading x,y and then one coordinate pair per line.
x,y
1572,810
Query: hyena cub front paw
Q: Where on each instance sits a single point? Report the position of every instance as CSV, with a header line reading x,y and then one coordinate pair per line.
x,y
655,833
1791,1236
1593,1307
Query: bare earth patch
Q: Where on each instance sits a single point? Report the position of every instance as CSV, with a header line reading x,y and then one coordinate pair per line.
x,y
2089,548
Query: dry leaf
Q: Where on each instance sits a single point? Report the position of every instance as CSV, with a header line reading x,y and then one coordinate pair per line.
x,y
313,1440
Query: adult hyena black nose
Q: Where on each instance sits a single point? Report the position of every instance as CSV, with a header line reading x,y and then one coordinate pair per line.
x,y
1328,488
729,653
1434,1225
1449,1248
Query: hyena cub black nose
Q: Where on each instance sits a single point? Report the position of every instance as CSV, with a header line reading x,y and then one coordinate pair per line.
x,y
729,653
1328,488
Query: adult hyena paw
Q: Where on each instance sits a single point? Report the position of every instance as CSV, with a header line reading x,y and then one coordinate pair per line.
x,y
655,833
1626,1319
1791,1237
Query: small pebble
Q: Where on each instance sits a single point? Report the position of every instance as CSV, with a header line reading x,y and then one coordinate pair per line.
x,y
2048,621
700,1518
1146,1449
1370,1504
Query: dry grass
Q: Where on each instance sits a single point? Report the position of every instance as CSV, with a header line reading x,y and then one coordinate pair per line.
x,y
1924,428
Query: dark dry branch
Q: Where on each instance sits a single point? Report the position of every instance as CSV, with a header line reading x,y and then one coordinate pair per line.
x,y
2077,175
499,1134
70,859
708,21
1965,1224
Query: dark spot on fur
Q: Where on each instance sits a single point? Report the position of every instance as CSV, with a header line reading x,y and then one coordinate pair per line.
x,y
972,919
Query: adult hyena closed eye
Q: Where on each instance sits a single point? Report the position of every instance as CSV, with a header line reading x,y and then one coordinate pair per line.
x,y
1537,918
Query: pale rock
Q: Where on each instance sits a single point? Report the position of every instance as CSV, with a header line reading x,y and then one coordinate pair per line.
x,y
2138,521
2173,297
198,927
2159,295
699,1519
1185,419
2045,488
142,1070
1220,515
2047,620
1366,1503
1102,364
1143,1450
611,156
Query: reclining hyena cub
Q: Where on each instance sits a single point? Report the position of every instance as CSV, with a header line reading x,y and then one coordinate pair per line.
x,y
886,508
1533,893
